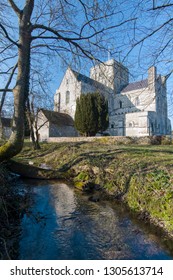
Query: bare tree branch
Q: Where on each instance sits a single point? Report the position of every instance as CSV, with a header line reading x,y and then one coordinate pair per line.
x,y
155,7
7,36
149,35
79,38
15,8
28,9
6,88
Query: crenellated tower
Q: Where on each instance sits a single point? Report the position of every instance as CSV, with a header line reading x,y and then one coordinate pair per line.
x,y
112,74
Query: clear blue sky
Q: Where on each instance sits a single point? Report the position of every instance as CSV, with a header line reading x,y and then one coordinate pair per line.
x,y
119,41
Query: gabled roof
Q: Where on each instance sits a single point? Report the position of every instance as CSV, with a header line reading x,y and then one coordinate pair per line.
x,y
6,122
57,118
136,85
82,78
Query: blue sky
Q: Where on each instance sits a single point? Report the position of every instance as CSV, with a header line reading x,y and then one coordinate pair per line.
x,y
120,41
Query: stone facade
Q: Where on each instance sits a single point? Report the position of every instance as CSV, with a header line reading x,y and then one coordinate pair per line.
x,y
54,124
135,109
71,87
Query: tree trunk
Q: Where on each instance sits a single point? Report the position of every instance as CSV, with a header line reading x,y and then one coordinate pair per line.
x,y
34,139
1,129
20,91
36,132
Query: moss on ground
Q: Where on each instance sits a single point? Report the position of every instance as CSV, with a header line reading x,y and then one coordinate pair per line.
x,y
141,176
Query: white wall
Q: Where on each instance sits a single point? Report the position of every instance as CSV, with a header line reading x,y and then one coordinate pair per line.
x,y
43,124
136,103
69,83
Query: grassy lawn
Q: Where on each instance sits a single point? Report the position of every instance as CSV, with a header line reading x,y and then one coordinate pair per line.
x,y
136,157
141,176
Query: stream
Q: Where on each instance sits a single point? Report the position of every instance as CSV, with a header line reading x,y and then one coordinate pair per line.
x,y
62,224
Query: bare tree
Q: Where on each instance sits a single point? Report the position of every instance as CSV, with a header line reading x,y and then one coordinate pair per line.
x,y
151,39
151,42
29,29
39,97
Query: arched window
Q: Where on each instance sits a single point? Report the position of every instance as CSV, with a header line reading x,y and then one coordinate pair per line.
x,y
67,100
137,101
131,124
58,101
121,104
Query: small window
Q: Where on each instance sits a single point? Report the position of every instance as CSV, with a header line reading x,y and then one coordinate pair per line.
x,y
137,101
112,125
121,104
67,97
131,124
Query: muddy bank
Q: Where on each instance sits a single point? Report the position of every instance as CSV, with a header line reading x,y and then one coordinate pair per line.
x,y
12,205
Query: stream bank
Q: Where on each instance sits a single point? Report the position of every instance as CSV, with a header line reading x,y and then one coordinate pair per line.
x,y
139,176
62,223
10,211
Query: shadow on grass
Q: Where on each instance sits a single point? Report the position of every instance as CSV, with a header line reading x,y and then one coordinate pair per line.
x,y
95,158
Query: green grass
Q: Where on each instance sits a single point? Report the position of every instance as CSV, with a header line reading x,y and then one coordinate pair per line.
x,y
142,176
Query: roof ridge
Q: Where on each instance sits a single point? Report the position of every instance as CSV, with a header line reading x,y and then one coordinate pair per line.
x,y
84,78
135,85
139,81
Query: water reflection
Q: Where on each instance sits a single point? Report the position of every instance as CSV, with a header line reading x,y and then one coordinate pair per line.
x,y
62,224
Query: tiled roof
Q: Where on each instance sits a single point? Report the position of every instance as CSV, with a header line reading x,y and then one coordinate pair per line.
x,y
6,122
57,118
82,78
136,86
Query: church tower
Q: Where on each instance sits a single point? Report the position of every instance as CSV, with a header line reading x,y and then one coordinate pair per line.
x,y
112,74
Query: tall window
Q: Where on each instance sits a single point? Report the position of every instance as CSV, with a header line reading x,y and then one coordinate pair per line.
x,y
67,97
58,101
137,101
121,104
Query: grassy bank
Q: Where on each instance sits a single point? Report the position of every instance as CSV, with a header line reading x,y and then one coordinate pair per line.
x,y
140,176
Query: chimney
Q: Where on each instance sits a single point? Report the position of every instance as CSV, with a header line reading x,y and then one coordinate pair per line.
x,y
163,79
152,75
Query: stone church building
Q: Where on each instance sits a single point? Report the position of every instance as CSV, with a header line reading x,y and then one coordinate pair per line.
x,y
135,109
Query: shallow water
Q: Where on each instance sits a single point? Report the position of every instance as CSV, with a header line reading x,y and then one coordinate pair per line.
x,y
61,223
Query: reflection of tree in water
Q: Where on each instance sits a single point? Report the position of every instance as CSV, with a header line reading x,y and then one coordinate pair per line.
x,y
91,227
90,230
64,200
76,228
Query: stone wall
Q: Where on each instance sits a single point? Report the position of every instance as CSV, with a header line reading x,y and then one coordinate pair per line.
x,y
43,125
117,140
112,74
148,97
71,86
74,88
62,131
